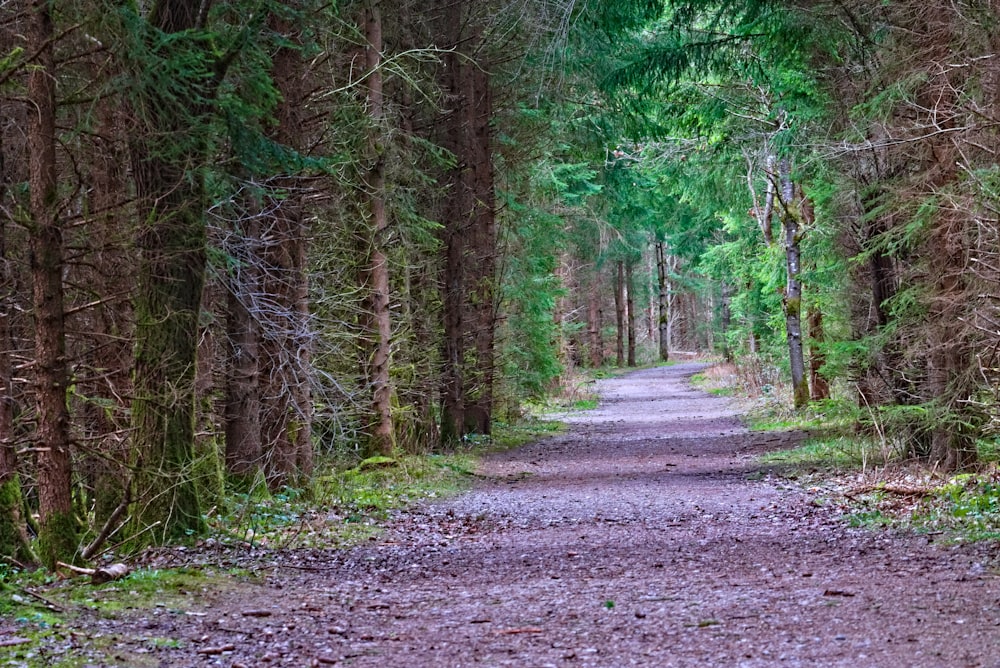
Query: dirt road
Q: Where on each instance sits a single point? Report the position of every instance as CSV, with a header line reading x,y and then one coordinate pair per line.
x,y
644,536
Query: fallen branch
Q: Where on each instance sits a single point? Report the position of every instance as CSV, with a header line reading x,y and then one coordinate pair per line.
x,y
113,524
899,490
99,575
50,603
10,642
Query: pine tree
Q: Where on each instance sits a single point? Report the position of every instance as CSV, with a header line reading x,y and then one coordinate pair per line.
x,y
178,78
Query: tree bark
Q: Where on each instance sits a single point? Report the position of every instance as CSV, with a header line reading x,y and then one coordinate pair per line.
x,y
452,380
630,311
454,218
791,219
482,300
663,300
286,350
766,219
58,537
818,385
672,310
819,388
468,232
242,413
594,321
949,357
418,426
620,313
171,277
375,273
13,534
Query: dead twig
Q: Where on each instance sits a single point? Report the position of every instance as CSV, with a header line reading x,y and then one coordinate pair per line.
x,y
50,603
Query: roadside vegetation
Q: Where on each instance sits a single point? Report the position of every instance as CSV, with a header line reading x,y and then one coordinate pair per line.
x,y
861,465
348,504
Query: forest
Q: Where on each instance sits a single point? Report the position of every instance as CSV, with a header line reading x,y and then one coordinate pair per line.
x,y
242,240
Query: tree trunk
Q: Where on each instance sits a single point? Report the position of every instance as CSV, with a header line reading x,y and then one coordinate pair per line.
x,y
285,366
663,300
375,273
286,351
766,219
620,313
819,387
468,232
561,344
652,308
418,427
244,451
452,382
949,358
594,321
454,211
108,342
13,535
791,219
482,301
58,537
171,277
630,311
672,310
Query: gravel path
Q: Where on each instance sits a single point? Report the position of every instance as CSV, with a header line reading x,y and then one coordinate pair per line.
x,y
642,537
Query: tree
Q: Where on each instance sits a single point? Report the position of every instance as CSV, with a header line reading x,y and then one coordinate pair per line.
x,y
630,311
468,233
662,300
375,273
176,86
793,219
288,346
58,529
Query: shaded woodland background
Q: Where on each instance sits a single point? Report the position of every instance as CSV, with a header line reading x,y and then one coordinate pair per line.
x,y
242,240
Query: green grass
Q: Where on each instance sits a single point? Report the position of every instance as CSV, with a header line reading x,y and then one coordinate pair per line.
x,y
827,452
831,416
873,519
507,436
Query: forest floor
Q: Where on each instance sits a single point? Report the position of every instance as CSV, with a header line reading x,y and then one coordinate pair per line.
x,y
645,535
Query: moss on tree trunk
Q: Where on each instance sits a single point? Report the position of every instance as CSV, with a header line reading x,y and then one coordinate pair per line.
x,y
13,542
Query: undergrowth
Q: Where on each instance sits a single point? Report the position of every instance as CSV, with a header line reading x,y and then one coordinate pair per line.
x,y
854,459
347,503
873,487
350,501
